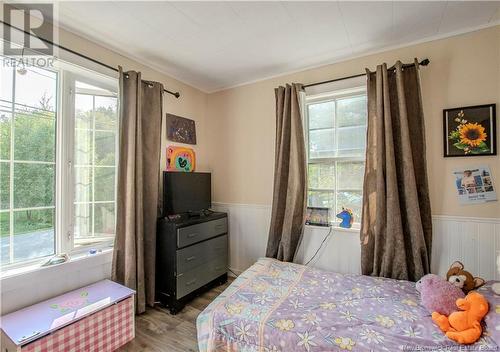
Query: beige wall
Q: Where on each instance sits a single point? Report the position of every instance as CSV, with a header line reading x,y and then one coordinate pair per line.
x,y
235,127
464,70
191,104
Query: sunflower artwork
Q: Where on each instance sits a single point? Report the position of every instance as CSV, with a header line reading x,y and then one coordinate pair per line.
x,y
470,131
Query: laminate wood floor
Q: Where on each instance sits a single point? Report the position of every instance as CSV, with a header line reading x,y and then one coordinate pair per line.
x,y
159,331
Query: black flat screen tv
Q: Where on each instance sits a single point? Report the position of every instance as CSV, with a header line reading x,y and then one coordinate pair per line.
x,y
186,192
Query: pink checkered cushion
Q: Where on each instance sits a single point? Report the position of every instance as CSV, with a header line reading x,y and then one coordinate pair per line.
x,y
103,331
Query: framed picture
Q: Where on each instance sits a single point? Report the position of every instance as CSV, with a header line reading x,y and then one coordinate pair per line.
x,y
470,131
318,216
180,129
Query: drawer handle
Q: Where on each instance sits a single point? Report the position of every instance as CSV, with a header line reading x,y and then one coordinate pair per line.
x,y
190,258
189,283
191,235
220,226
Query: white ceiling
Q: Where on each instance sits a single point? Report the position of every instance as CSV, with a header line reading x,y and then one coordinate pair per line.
x,y
215,45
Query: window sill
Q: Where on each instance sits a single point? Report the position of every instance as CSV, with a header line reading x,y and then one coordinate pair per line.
x,y
36,267
334,228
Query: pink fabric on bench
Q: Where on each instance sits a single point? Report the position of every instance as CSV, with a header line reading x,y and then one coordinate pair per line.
x,y
103,331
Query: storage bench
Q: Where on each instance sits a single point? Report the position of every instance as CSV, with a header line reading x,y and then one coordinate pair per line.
x,y
95,318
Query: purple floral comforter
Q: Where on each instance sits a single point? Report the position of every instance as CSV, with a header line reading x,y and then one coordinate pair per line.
x,y
276,306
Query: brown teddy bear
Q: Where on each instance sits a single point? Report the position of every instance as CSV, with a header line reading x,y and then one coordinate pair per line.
x,y
462,278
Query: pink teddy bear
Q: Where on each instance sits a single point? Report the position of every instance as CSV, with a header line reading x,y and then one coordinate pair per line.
x,y
438,295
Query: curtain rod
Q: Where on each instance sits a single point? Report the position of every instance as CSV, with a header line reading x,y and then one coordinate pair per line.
x,y
175,94
424,62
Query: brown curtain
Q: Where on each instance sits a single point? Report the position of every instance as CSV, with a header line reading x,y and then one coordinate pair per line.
x,y
140,115
290,178
396,229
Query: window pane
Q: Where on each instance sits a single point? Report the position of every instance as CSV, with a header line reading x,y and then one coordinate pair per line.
x,y
4,185
83,184
104,184
351,200
321,176
4,134
105,220
6,74
33,234
33,185
351,175
36,88
83,222
105,146
84,105
34,135
351,111
321,143
103,228
4,238
83,147
33,142
321,199
351,141
105,113
96,135
321,115
337,134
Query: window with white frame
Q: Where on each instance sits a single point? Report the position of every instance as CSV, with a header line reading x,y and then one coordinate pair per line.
x,y
95,164
336,139
58,157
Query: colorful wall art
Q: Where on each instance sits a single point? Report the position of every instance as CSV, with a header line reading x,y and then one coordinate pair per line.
x,y
470,131
180,129
180,159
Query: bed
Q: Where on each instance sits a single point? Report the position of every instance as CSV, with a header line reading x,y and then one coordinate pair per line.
x,y
276,306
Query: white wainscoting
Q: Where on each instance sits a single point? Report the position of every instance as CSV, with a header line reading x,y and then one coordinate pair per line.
x,y
249,227
473,241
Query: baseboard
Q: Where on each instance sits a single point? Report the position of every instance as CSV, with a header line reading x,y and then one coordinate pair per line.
x,y
234,272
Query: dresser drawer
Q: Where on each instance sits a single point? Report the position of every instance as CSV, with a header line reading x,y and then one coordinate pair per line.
x,y
189,281
199,232
200,253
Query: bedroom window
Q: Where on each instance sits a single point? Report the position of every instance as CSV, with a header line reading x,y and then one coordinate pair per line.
x,y
95,164
336,140
58,158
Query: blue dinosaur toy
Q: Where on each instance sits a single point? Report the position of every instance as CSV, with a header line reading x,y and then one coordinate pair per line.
x,y
347,218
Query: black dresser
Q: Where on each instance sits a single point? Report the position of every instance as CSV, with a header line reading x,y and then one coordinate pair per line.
x,y
191,257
